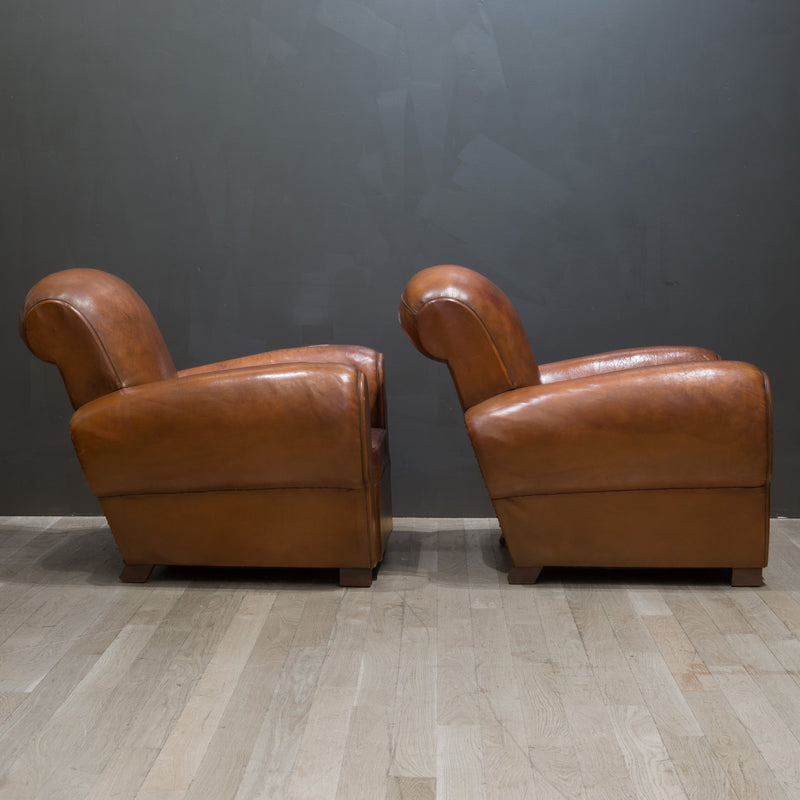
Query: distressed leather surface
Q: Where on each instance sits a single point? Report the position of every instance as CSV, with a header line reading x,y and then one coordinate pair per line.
x,y
650,456
274,459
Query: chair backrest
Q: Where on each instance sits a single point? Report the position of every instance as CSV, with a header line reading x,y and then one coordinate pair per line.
x,y
97,330
456,315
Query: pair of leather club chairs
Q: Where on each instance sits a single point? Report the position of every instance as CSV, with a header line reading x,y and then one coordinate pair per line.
x,y
651,457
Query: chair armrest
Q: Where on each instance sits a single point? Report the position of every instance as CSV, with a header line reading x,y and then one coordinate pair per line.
x,y
365,359
704,424
258,427
617,360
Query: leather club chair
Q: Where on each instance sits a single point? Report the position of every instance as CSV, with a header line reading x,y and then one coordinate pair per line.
x,y
273,460
650,457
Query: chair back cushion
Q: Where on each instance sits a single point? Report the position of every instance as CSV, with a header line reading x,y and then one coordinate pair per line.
x,y
97,330
456,315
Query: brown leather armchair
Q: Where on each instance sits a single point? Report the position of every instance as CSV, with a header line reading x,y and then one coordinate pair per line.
x,y
279,459
650,457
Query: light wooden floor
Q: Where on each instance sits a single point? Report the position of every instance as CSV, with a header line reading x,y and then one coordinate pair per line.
x,y
441,681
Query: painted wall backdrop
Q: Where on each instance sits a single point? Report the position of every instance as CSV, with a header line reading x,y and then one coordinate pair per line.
x,y
268,173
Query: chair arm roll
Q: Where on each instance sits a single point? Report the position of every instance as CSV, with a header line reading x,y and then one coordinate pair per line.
x,y
368,361
689,425
616,360
283,426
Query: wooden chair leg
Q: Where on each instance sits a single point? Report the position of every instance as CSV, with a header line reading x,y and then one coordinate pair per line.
x,y
355,576
136,573
746,576
523,575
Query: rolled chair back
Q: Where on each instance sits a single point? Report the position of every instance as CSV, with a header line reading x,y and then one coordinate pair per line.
x,y
97,330
458,316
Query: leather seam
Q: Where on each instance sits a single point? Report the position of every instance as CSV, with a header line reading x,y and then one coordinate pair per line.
x,y
475,314
636,491
488,333
362,400
89,325
231,491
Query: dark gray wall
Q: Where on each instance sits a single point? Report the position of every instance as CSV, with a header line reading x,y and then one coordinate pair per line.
x,y
271,172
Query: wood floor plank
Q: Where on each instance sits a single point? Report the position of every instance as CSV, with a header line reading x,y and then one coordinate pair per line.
x,y
43,702
663,698
367,755
231,747
698,767
701,630
370,738
564,643
64,733
684,662
599,757
784,567
551,747
522,621
608,663
507,768
414,724
456,688
777,744
491,642
651,771
751,604
167,672
316,624
316,771
723,611
785,607
30,652
748,773
269,769
459,767
182,753
411,789
648,602
628,625
414,707
103,731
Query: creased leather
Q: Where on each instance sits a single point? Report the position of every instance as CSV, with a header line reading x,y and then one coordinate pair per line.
x,y
252,428
650,456
455,315
700,425
275,459
101,340
617,360
362,358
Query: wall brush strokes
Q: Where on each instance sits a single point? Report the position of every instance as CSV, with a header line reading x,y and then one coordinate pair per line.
x,y
270,173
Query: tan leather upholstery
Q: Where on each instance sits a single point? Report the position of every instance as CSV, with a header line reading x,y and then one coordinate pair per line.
x,y
455,315
277,459
101,340
645,457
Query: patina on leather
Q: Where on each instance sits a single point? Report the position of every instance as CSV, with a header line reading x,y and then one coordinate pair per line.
x,y
278,459
650,457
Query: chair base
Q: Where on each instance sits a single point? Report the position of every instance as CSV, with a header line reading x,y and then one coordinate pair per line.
x,y
522,576
746,576
136,573
740,576
651,529
355,576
